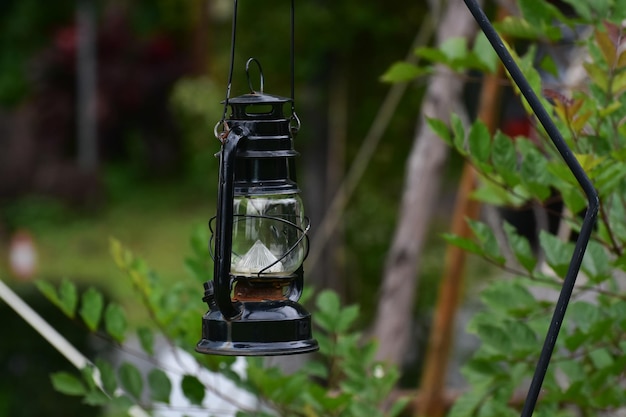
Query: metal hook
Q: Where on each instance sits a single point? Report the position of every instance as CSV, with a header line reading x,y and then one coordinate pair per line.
x,y
221,136
258,64
294,128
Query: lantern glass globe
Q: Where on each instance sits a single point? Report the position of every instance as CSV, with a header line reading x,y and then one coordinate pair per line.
x,y
267,235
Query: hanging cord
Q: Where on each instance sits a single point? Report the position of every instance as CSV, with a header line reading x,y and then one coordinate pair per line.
x,y
233,37
294,117
295,127
581,177
293,59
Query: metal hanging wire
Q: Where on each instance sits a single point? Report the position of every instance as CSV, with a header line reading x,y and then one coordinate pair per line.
x,y
303,236
295,121
582,178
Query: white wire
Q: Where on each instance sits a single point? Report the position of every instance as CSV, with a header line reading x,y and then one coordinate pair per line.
x,y
53,337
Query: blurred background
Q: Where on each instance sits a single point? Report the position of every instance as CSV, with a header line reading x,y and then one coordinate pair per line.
x,y
107,109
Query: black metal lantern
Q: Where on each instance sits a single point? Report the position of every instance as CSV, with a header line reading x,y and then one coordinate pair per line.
x,y
259,233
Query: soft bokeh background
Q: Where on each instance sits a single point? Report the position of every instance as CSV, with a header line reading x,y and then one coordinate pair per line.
x,y
160,74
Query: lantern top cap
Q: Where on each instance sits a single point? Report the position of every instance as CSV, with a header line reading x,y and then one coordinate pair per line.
x,y
258,98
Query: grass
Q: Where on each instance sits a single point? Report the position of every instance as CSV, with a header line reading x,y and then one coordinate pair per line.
x,y
155,222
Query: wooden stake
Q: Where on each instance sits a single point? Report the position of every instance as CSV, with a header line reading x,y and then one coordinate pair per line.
x,y
433,401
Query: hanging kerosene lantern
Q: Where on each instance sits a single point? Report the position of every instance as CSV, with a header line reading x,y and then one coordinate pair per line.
x,y
259,232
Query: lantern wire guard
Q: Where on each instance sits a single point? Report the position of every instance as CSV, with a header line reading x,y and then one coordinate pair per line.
x,y
259,236
582,178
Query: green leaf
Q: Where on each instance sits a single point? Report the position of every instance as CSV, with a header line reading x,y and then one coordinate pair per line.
x,y
485,53
92,304
495,338
440,128
434,55
558,253
534,173
607,47
160,386
316,369
328,302
601,358
538,13
609,177
479,141
146,339
619,10
198,270
458,133
527,66
509,298
399,406
120,255
96,398
548,65
491,193
363,409
193,389
131,380
466,404
68,296
107,376
618,315
66,299
575,340
488,241
115,321
524,339
402,72
48,291
325,321
120,405
454,48
596,263
504,158
573,199
573,369
464,243
88,376
325,344
519,28
67,384
520,247
584,314
598,75
347,317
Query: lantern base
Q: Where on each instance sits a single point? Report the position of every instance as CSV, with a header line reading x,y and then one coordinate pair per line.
x,y
265,328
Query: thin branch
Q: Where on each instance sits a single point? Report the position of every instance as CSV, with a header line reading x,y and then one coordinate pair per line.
x,y
365,153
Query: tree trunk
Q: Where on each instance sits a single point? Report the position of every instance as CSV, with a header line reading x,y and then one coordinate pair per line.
x,y
392,325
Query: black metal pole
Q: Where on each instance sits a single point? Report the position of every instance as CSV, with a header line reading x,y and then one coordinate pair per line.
x,y
581,177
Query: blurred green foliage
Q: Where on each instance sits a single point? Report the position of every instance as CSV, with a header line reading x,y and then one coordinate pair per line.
x,y
342,380
586,372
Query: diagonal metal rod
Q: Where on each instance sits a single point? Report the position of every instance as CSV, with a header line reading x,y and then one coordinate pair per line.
x,y
581,177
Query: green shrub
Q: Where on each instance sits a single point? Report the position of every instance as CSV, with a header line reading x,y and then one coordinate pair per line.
x,y
342,380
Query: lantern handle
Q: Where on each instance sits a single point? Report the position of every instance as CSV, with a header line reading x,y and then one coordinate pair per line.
x,y
262,78
224,225
294,292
